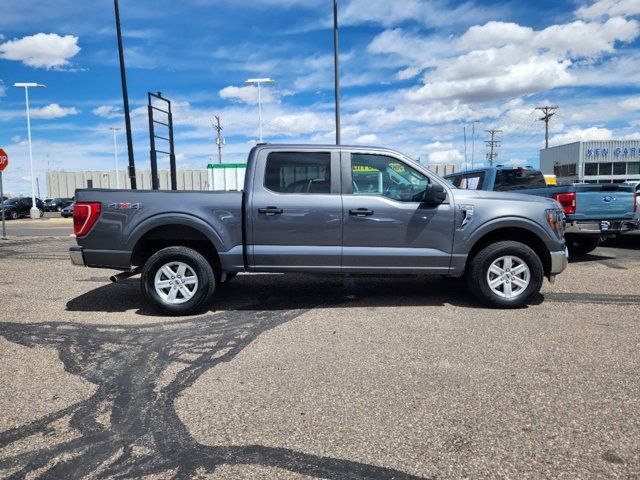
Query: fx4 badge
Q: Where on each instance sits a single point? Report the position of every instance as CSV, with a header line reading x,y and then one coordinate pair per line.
x,y
124,206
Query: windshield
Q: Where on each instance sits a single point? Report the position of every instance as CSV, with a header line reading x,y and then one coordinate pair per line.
x,y
12,201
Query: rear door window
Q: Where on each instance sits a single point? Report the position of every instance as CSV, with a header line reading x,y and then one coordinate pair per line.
x,y
518,179
298,172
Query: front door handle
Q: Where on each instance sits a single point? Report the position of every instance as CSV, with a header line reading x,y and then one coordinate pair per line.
x,y
361,212
270,211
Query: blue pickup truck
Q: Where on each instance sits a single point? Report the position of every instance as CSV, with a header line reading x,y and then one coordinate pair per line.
x,y
592,210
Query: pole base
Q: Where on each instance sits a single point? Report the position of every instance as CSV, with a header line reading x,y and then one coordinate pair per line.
x,y
34,213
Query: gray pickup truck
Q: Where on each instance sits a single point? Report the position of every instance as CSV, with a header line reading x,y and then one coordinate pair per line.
x,y
331,209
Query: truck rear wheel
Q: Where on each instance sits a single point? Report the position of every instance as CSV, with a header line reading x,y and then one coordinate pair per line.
x,y
582,244
505,274
177,281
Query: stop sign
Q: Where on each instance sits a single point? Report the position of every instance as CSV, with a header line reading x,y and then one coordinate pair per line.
x,y
4,160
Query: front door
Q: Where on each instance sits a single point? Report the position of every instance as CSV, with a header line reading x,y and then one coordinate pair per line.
x,y
296,211
385,229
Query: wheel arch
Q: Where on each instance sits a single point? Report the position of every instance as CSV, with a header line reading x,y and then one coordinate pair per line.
x,y
515,233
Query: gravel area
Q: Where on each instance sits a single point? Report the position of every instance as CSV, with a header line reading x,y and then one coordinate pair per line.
x,y
303,376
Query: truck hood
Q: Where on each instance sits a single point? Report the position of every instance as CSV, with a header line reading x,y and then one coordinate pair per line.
x,y
468,195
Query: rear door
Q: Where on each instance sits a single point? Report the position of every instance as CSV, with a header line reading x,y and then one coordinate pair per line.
x,y
385,230
295,211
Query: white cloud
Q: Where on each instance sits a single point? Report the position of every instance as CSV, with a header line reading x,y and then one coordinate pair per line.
x,y
247,94
436,146
107,111
578,134
493,34
609,8
3,89
297,123
429,13
52,111
446,156
630,136
367,139
42,50
631,103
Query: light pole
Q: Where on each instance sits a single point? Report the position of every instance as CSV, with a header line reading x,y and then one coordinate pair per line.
x,y
34,212
336,69
259,82
115,153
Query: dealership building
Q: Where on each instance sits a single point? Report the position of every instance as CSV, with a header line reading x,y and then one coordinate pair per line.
x,y
594,161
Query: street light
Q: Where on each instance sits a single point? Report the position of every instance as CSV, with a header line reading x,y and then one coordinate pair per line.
x,y
34,212
259,82
115,152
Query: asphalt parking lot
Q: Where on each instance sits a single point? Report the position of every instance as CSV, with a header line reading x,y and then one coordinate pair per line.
x,y
313,377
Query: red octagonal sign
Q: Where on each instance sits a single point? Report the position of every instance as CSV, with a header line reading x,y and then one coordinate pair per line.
x,y
4,160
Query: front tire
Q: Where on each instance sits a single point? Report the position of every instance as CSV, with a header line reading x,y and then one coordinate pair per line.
x,y
505,274
178,281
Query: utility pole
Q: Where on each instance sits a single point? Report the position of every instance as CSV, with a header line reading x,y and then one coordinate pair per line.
x,y
547,112
464,129
125,101
473,141
492,144
220,141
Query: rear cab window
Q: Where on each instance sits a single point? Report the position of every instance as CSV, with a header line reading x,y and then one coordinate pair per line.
x,y
469,181
518,179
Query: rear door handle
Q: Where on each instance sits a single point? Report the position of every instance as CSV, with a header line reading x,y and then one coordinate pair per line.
x,y
361,212
270,210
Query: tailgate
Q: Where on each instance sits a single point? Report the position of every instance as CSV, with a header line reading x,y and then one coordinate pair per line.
x,y
604,202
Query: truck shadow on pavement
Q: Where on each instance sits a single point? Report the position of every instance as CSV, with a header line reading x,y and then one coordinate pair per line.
x,y
302,291
129,427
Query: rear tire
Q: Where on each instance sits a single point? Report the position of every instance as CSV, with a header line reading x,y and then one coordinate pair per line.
x,y
581,244
505,274
178,281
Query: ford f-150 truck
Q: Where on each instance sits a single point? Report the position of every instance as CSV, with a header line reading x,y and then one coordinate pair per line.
x,y
333,209
592,210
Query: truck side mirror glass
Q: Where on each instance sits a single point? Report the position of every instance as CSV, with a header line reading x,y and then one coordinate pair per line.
x,y
433,194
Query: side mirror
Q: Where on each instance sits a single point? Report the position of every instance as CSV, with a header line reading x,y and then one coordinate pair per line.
x,y
433,194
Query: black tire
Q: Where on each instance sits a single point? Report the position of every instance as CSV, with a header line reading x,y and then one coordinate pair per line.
x,y
13,216
581,244
479,265
200,267
59,209
228,277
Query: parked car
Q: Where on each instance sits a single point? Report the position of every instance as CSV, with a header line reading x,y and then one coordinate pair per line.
x,y
19,207
57,204
592,210
67,211
351,210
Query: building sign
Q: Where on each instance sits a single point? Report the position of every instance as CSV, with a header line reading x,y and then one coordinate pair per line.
x,y
617,152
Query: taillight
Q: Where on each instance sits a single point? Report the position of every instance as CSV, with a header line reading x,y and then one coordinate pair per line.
x,y
84,216
567,200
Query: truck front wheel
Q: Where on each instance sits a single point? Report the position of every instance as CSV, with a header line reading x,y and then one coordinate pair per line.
x,y
177,281
505,274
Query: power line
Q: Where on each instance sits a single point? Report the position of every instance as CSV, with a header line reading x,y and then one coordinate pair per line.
x,y
492,145
548,112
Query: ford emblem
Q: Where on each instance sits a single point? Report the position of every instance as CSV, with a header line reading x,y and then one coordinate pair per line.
x,y
608,199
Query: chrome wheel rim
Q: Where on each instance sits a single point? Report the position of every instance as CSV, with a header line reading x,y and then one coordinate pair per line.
x,y
176,283
508,276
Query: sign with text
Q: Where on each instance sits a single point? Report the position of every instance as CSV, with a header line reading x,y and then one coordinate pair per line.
x,y
4,160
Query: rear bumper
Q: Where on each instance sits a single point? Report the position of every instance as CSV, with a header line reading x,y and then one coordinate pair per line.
x,y
601,228
559,261
116,259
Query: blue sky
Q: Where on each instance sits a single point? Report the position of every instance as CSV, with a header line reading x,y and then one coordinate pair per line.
x,y
414,73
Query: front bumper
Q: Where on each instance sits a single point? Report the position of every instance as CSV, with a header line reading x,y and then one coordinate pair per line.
x,y
559,261
76,255
601,228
